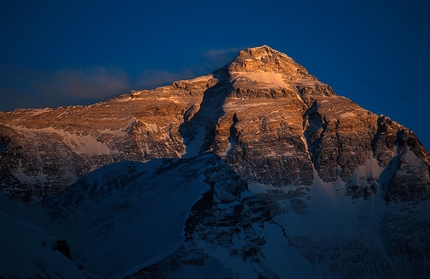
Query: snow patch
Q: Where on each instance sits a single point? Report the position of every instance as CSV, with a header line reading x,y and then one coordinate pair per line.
x,y
347,114
200,79
151,127
370,169
269,78
233,105
331,213
193,147
84,144
259,188
78,143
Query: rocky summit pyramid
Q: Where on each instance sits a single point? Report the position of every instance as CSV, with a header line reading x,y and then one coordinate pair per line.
x,y
262,114
257,170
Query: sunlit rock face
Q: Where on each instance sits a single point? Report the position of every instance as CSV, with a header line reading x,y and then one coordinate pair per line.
x,y
257,170
45,150
263,114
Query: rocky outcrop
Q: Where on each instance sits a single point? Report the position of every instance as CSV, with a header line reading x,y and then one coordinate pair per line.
x,y
263,114
265,173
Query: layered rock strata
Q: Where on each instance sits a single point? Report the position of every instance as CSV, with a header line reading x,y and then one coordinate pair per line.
x,y
263,114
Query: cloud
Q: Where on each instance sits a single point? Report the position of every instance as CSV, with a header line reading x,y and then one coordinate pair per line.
x,y
153,78
222,56
82,84
23,87
208,62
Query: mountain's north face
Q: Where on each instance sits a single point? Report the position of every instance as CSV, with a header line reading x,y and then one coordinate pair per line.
x,y
263,114
279,178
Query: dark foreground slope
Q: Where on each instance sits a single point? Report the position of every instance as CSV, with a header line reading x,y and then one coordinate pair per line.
x,y
257,170
196,218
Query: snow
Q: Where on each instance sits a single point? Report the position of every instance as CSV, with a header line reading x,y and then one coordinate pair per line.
x,y
235,263
235,104
83,144
291,264
38,179
347,114
333,214
40,111
269,78
193,147
200,79
151,127
259,188
141,223
370,169
211,269
78,143
26,252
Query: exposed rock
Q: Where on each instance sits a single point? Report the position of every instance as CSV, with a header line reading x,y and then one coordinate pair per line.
x,y
263,114
62,246
268,174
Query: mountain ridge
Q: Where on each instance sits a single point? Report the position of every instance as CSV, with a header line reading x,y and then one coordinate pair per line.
x,y
266,171
160,123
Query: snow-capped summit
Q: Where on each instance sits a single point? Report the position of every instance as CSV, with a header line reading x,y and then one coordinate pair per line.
x,y
257,170
265,58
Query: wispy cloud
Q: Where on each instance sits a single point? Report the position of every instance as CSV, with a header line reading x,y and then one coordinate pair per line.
x,y
222,56
22,87
27,88
153,78
77,83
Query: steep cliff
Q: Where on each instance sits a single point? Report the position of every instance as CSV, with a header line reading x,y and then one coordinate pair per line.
x,y
263,114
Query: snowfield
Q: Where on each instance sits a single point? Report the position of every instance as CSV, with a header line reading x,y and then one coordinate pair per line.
x,y
133,219
255,171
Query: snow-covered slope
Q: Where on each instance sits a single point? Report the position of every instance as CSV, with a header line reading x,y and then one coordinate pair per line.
x,y
257,170
27,251
128,215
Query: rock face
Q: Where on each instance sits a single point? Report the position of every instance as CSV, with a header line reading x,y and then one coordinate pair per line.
x,y
263,114
267,172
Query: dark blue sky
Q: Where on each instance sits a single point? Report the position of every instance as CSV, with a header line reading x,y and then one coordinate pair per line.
x,y
55,53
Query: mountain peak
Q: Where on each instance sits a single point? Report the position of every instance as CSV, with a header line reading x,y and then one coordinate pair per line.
x,y
265,68
261,52
264,58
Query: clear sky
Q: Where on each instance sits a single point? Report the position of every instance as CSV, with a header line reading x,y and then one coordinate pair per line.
x,y
54,53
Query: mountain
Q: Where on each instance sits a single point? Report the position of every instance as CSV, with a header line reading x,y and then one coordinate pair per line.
x,y
257,170
27,250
